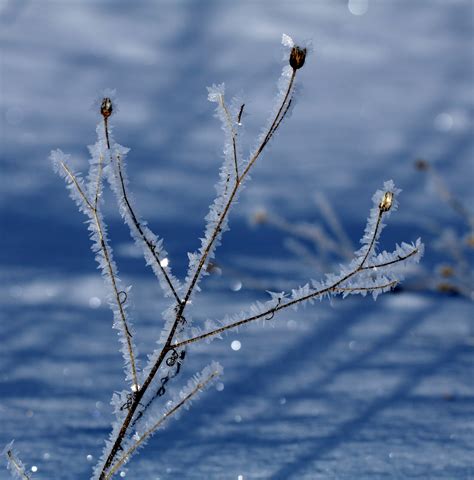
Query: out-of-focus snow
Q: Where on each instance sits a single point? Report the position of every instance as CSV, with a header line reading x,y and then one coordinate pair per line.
x,y
374,390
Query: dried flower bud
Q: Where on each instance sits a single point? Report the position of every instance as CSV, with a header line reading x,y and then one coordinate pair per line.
x,y
386,203
106,107
297,57
446,271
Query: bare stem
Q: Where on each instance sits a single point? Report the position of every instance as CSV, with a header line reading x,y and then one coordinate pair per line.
x,y
106,127
157,425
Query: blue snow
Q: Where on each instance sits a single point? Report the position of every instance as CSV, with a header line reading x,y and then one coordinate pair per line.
x,y
355,389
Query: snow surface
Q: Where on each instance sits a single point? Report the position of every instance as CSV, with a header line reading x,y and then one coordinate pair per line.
x,y
353,390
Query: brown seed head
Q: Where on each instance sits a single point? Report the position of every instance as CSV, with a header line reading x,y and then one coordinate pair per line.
x,y
106,108
297,57
386,203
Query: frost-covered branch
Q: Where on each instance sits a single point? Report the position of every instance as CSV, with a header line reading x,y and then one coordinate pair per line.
x,y
16,467
138,414
152,247
156,255
233,133
196,385
216,223
117,296
379,276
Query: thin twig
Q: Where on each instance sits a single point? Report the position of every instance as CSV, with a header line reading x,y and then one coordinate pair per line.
x,y
106,127
105,251
336,286
146,241
99,178
76,184
367,289
281,118
233,134
19,469
117,293
241,111
157,425
386,264
373,239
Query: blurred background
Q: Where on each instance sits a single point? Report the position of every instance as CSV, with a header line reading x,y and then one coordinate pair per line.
x,y
353,390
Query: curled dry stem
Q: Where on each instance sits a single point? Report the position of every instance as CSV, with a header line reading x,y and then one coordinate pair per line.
x,y
200,386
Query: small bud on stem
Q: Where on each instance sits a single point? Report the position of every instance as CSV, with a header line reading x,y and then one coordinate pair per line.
x,y
297,57
106,107
106,110
386,203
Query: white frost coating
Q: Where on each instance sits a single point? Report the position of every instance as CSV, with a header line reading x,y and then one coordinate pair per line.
x,y
368,241
98,160
379,273
116,174
60,162
224,188
15,466
157,416
287,41
283,83
157,411
215,92
105,266
84,193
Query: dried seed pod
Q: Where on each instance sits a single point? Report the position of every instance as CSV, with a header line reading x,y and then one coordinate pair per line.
x,y
297,57
106,108
386,203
